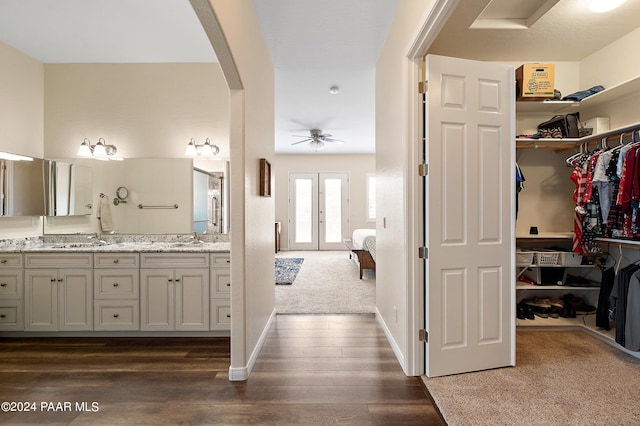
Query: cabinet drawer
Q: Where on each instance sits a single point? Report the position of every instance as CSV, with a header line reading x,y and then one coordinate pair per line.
x,y
116,260
10,260
11,317
220,260
220,315
116,284
174,260
220,284
116,315
11,283
58,260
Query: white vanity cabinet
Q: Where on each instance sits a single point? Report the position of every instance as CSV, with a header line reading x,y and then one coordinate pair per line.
x,y
220,310
116,291
58,292
174,293
11,292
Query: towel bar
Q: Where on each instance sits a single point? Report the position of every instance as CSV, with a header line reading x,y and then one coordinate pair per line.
x,y
141,206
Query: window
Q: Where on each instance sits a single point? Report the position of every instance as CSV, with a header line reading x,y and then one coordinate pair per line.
x,y
371,197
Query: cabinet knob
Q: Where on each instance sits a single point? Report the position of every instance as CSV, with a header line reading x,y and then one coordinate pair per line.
x,y
3,284
228,284
170,280
3,316
116,315
228,315
53,280
3,261
60,280
177,280
228,261
116,284
116,260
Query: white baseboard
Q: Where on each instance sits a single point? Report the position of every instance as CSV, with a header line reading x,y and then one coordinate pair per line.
x,y
394,345
239,374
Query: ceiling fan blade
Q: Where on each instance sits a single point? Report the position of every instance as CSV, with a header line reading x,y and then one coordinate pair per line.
x,y
325,135
304,140
300,136
332,140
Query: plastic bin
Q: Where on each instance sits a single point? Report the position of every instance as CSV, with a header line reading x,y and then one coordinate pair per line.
x,y
547,257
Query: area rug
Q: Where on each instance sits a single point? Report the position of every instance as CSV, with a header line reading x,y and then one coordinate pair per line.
x,y
287,269
560,378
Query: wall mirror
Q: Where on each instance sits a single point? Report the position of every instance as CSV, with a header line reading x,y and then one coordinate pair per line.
x,y
151,182
69,188
21,188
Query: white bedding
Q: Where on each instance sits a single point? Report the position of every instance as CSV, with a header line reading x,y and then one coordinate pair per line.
x,y
359,235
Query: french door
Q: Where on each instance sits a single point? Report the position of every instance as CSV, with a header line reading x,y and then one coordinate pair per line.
x,y
318,210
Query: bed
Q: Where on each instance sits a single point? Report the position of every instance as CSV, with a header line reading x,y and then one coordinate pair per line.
x,y
363,245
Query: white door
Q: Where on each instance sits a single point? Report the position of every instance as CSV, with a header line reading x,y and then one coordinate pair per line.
x,y
318,210
469,216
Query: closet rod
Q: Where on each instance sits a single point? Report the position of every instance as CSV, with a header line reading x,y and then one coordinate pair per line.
x,y
611,135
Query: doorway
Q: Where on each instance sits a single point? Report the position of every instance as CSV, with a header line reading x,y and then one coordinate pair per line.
x,y
318,210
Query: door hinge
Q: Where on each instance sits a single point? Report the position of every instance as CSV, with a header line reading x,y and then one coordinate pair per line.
x,y
423,87
423,336
423,252
423,169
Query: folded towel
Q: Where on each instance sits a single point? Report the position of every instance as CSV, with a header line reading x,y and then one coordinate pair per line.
x,y
104,214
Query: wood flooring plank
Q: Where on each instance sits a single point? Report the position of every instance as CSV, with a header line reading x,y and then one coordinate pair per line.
x,y
312,370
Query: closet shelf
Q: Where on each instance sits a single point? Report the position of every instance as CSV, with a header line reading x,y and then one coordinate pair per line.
x,y
570,143
611,94
524,286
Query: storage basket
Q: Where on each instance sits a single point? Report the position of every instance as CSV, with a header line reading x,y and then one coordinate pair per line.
x,y
524,258
547,257
570,259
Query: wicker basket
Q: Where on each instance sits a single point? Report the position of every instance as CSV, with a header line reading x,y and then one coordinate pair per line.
x,y
547,257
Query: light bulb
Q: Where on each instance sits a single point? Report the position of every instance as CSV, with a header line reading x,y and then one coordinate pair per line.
x,y
191,149
85,148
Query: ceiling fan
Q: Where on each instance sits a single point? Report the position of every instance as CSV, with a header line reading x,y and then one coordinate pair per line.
x,y
317,139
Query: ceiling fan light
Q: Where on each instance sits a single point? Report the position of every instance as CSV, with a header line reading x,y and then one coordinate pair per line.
x,y
601,6
334,90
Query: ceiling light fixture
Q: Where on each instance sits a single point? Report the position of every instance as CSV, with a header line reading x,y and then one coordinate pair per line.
x,y
99,151
601,6
207,150
334,90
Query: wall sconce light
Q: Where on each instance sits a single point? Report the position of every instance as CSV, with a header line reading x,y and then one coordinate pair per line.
x,y
207,150
99,151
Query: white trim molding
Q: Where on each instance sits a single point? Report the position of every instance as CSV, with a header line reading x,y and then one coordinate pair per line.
x,y
242,373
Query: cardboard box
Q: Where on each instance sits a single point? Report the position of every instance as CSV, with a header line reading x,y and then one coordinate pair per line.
x,y
534,82
598,124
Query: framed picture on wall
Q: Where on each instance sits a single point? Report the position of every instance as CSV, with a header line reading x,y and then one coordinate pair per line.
x,y
265,178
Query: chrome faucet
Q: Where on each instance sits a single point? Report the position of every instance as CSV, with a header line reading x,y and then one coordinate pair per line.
x,y
95,236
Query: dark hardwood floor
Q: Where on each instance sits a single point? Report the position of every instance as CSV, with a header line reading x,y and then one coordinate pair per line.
x,y
313,370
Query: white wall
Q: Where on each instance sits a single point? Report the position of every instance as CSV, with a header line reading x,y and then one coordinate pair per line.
x,y
252,137
21,103
21,121
145,110
356,165
393,118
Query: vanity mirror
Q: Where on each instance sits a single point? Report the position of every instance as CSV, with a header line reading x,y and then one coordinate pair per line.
x,y
157,182
69,188
21,188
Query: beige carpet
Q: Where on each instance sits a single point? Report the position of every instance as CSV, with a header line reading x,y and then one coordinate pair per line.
x,y
328,283
560,378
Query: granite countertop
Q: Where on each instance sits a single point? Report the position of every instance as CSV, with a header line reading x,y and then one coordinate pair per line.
x,y
84,246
